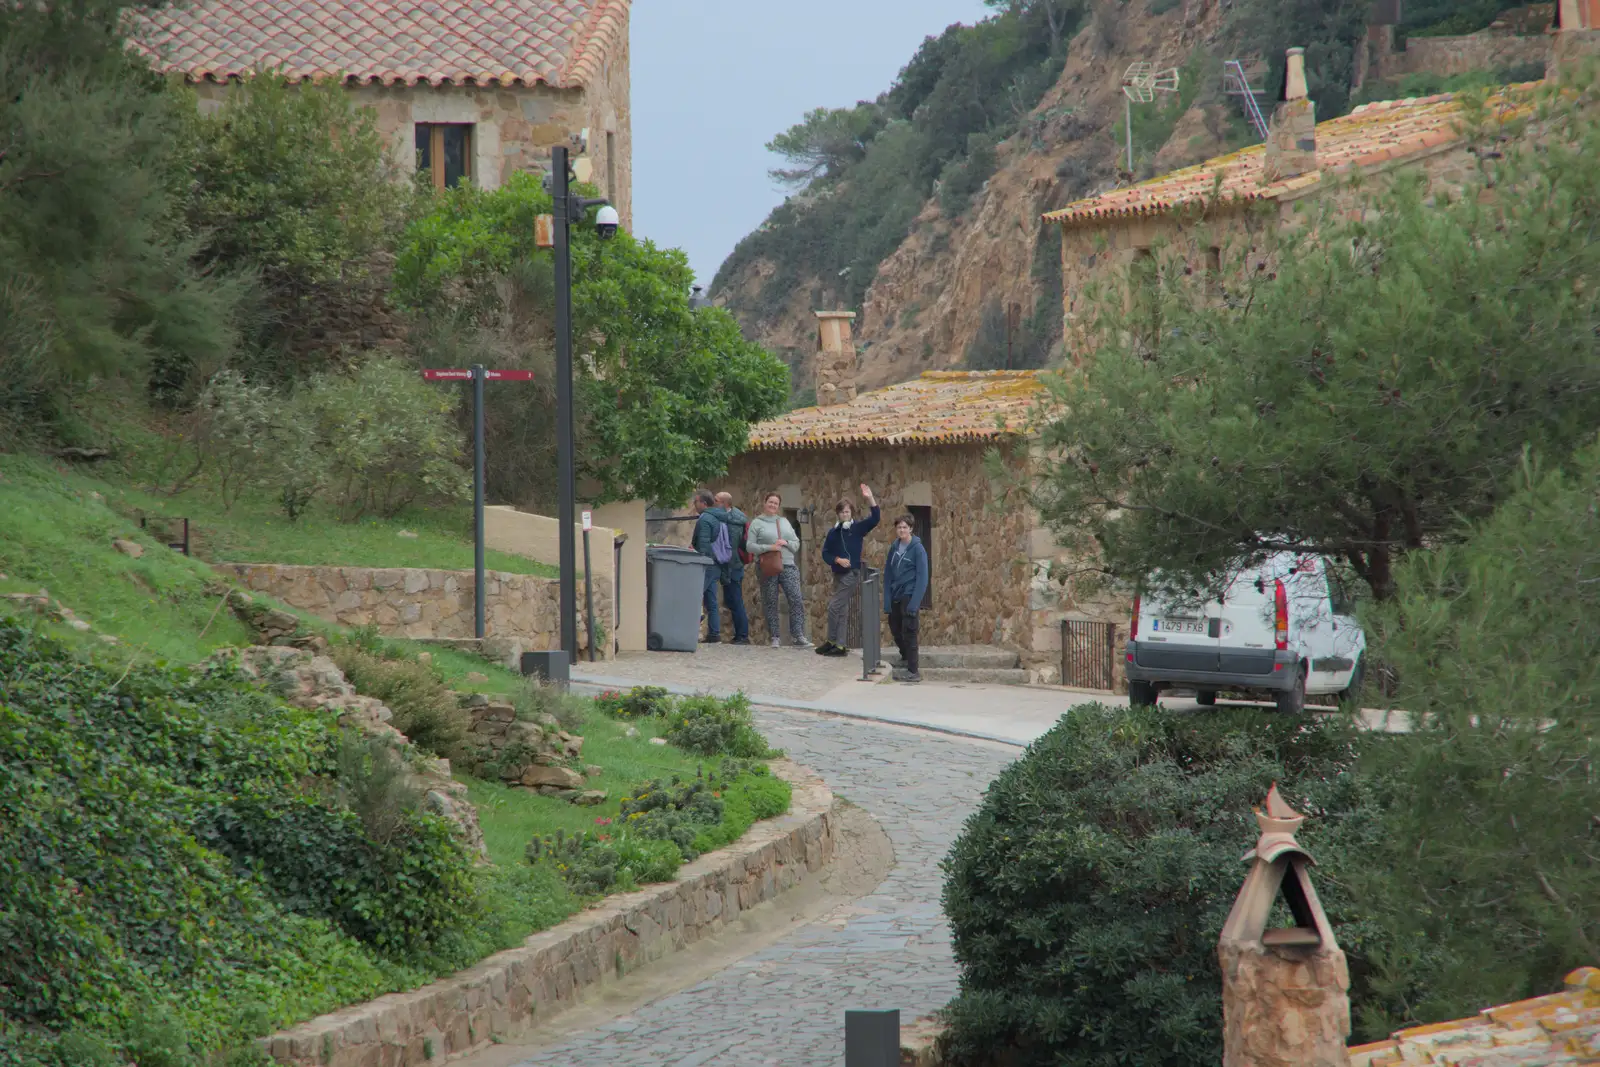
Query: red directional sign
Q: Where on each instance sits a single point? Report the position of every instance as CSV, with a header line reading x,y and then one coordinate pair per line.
x,y
466,375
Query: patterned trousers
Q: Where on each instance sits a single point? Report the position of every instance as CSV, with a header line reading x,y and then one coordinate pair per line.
x,y
844,592
789,581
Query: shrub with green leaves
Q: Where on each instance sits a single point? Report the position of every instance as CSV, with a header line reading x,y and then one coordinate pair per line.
x,y
1086,894
712,727
640,702
426,710
388,439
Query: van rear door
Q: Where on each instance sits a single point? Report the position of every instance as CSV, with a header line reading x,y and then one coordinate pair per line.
x,y
1180,635
1246,640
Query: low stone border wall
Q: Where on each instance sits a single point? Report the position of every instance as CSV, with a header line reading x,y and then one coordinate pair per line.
x,y
503,995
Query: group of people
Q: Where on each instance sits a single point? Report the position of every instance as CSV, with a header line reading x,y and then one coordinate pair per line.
x,y
733,541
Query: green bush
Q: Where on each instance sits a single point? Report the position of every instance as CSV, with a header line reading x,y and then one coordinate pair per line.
x,y
1086,894
640,702
388,439
713,727
426,710
537,699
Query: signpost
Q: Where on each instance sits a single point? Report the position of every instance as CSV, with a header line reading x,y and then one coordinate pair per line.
x,y
477,374
588,582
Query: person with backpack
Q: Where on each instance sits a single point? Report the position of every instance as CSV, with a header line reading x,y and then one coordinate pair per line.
x,y
905,582
841,550
715,539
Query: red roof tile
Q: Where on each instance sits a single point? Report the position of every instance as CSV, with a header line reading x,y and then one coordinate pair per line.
x,y
560,43
1369,135
939,408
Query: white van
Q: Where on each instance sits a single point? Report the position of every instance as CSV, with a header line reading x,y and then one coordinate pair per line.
x,y
1272,630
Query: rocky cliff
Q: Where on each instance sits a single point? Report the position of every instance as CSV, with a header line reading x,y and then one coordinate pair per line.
x,y
927,301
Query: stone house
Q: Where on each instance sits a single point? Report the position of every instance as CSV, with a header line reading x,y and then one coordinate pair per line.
x,y
1221,216
461,92
923,448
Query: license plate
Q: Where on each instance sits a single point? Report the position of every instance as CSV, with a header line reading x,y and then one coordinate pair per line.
x,y
1181,626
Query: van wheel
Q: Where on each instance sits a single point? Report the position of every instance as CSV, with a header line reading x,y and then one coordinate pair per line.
x,y
1293,702
1206,698
1350,697
1141,694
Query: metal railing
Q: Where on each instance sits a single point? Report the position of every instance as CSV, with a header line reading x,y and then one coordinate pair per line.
x,y
1088,654
1236,82
871,595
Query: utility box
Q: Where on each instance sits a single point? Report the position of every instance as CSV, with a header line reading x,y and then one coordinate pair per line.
x,y
550,667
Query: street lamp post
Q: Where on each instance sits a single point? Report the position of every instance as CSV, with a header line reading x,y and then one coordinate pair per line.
x,y
567,210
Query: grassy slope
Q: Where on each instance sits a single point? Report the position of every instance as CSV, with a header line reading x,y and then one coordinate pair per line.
x,y
56,534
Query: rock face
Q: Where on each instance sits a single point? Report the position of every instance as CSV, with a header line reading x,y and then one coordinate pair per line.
x,y
927,300
312,681
1284,1007
529,754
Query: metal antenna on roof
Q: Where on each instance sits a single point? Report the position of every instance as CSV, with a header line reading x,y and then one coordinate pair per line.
x,y
1140,84
1237,74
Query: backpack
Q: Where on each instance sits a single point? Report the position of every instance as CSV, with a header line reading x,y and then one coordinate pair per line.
x,y
744,536
721,546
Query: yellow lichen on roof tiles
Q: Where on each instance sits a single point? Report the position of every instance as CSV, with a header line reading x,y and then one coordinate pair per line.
x,y
1558,1029
1370,135
940,407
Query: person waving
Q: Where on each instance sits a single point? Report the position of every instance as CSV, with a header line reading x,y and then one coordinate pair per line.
x,y
841,550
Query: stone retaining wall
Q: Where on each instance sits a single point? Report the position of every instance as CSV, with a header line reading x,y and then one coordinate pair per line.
x,y
500,997
423,604
1448,56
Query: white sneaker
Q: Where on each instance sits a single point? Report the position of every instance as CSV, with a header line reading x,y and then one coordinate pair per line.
x,y
775,643
803,643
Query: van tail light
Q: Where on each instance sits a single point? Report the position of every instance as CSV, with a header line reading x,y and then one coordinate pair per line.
x,y
1280,614
1133,629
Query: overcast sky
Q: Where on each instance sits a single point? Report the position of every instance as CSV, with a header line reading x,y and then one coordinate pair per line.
x,y
714,80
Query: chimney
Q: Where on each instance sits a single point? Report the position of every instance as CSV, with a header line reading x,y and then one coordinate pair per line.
x,y
1285,990
1292,133
1575,38
836,358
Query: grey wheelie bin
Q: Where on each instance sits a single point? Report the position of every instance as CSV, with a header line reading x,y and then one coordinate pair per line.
x,y
675,586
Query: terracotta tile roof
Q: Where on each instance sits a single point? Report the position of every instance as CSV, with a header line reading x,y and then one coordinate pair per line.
x,y
1370,135
1562,1028
560,43
939,408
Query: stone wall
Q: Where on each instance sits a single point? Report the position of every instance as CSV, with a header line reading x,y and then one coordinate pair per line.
x,y
1447,56
426,603
980,566
500,998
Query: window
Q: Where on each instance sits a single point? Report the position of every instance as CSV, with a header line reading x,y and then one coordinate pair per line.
x,y
611,167
924,530
444,152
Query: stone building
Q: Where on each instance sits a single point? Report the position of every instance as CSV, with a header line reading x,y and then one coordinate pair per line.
x,y
462,92
923,448
1221,216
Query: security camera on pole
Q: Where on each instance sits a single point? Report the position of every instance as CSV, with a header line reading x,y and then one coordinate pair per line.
x,y
569,209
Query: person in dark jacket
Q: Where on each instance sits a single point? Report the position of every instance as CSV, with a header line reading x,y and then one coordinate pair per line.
x,y
729,573
841,550
905,583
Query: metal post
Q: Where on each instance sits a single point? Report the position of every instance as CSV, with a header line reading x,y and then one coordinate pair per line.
x,y
872,1038
477,501
588,593
1127,122
565,461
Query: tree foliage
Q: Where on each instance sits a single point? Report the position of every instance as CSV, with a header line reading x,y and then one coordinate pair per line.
x,y
1086,894
666,395
825,142
1493,858
96,266
1358,402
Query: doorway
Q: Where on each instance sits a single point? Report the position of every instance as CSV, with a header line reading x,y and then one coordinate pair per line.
x,y
924,530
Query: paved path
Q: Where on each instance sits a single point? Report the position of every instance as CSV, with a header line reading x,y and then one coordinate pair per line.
x,y
783,673
785,1004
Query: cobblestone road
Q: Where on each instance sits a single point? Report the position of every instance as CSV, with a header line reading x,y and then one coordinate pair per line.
x,y
785,1004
